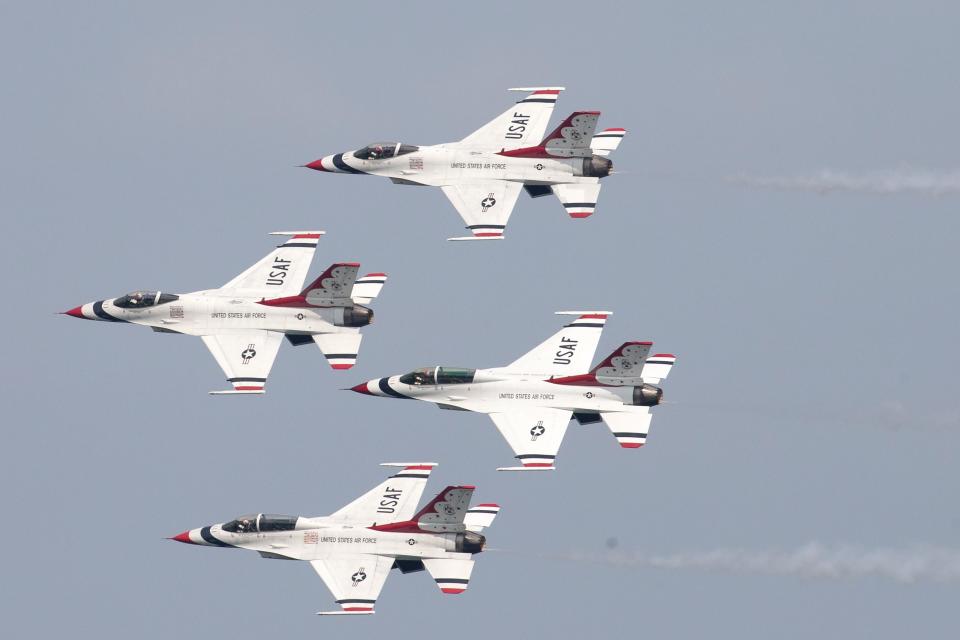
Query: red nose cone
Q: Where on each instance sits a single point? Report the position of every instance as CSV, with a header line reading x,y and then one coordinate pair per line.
x,y
183,537
316,165
75,312
361,388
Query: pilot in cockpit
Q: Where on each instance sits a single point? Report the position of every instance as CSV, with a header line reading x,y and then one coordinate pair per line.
x,y
136,298
376,152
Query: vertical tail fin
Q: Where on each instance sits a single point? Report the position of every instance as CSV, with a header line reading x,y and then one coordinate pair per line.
x,y
624,366
446,511
333,284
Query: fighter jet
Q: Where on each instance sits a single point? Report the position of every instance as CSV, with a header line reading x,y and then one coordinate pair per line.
x,y
354,549
244,321
532,399
483,173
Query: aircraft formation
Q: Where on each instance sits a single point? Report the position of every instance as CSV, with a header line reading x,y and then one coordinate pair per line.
x,y
531,400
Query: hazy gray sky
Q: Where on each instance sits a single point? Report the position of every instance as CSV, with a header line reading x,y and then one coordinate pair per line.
x,y
815,416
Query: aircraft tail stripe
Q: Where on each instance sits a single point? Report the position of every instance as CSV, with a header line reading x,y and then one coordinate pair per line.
x,y
246,379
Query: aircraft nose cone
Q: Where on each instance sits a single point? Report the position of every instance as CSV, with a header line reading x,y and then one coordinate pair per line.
x,y
361,388
76,312
183,537
316,165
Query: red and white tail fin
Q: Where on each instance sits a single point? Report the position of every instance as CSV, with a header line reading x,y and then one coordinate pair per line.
x,y
607,141
657,367
368,287
445,513
332,288
480,516
623,367
572,138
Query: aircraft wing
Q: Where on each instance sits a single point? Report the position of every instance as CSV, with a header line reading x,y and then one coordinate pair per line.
x,y
522,125
282,271
246,358
354,579
484,206
534,434
393,500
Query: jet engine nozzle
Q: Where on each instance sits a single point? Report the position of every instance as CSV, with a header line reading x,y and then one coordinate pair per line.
x,y
596,167
469,542
355,316
647,395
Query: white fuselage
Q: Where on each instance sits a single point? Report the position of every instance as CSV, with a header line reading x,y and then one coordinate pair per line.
x,y
494,390
322,537
441,165
216,312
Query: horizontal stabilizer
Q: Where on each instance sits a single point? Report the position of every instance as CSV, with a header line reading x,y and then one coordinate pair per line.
x,y
481,516
340,349
578,200
630,428
234,392
657,367
452,575
607,141
346,613
458,239
550,468
368,287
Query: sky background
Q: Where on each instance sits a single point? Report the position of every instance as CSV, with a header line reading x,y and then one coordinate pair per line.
x,y
803,482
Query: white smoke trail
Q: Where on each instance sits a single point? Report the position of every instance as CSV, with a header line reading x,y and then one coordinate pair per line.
x,y
931,183
813,560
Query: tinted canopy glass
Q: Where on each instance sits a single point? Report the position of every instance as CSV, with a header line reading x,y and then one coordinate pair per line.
x,y
143,299
261,522
382,150
439,375
424,375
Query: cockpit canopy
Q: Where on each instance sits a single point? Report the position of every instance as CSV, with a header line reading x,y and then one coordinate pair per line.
x,y
438,375
143,299
261,522
382,150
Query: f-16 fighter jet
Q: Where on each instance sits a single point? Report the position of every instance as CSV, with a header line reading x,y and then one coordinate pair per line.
x,y
532,399
354,549
482,174
244,321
